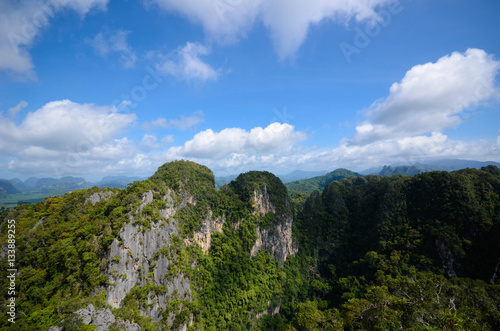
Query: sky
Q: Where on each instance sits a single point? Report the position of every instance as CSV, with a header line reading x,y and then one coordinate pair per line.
x,y
94,88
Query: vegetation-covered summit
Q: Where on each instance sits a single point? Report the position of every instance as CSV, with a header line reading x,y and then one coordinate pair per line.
x,y
186,175
246,183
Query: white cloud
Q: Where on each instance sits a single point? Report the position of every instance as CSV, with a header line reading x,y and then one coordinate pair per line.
x,y
287,20
21,22
185,63
60,124
183,123
431,97
67,136
275,148
225,20
114,41
215,145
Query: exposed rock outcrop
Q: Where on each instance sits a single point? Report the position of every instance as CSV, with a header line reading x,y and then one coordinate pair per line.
x,y
446,258
262,202
139,257
203,237
269,310
99,196
102,319
495,274
277,237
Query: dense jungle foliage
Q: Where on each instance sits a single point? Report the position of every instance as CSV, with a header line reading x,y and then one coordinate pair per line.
x,y
374,253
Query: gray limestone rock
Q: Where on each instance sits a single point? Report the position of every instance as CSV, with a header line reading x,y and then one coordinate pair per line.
x,y
278,237
103,319
135,258
99,196
86,314
446,258
128,326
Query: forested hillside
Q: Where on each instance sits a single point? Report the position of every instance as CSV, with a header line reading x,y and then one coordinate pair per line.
x,y
173,252
301,189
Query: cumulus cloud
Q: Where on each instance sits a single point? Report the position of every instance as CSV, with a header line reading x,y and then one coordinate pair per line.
x,y
21,22
65,133
60,124
287,20
114,41
183,123
185,63
214,145
225,20
431,97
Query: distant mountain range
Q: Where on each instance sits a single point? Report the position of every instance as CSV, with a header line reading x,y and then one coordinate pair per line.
x,y
307,186
442,165
15,185
7,187
300,174
118,181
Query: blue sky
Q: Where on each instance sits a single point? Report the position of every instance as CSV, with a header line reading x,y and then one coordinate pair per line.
x,y
105,87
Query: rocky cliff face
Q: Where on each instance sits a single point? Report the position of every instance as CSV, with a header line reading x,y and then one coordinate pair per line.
x,y
446,258
139,257
278,237
203,237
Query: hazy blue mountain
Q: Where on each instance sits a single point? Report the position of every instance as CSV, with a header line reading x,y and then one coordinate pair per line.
x,y
319,182
62,183
454,164
31,182
222,180
431,165
117,181
301,174
403,170
7,187
19,184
